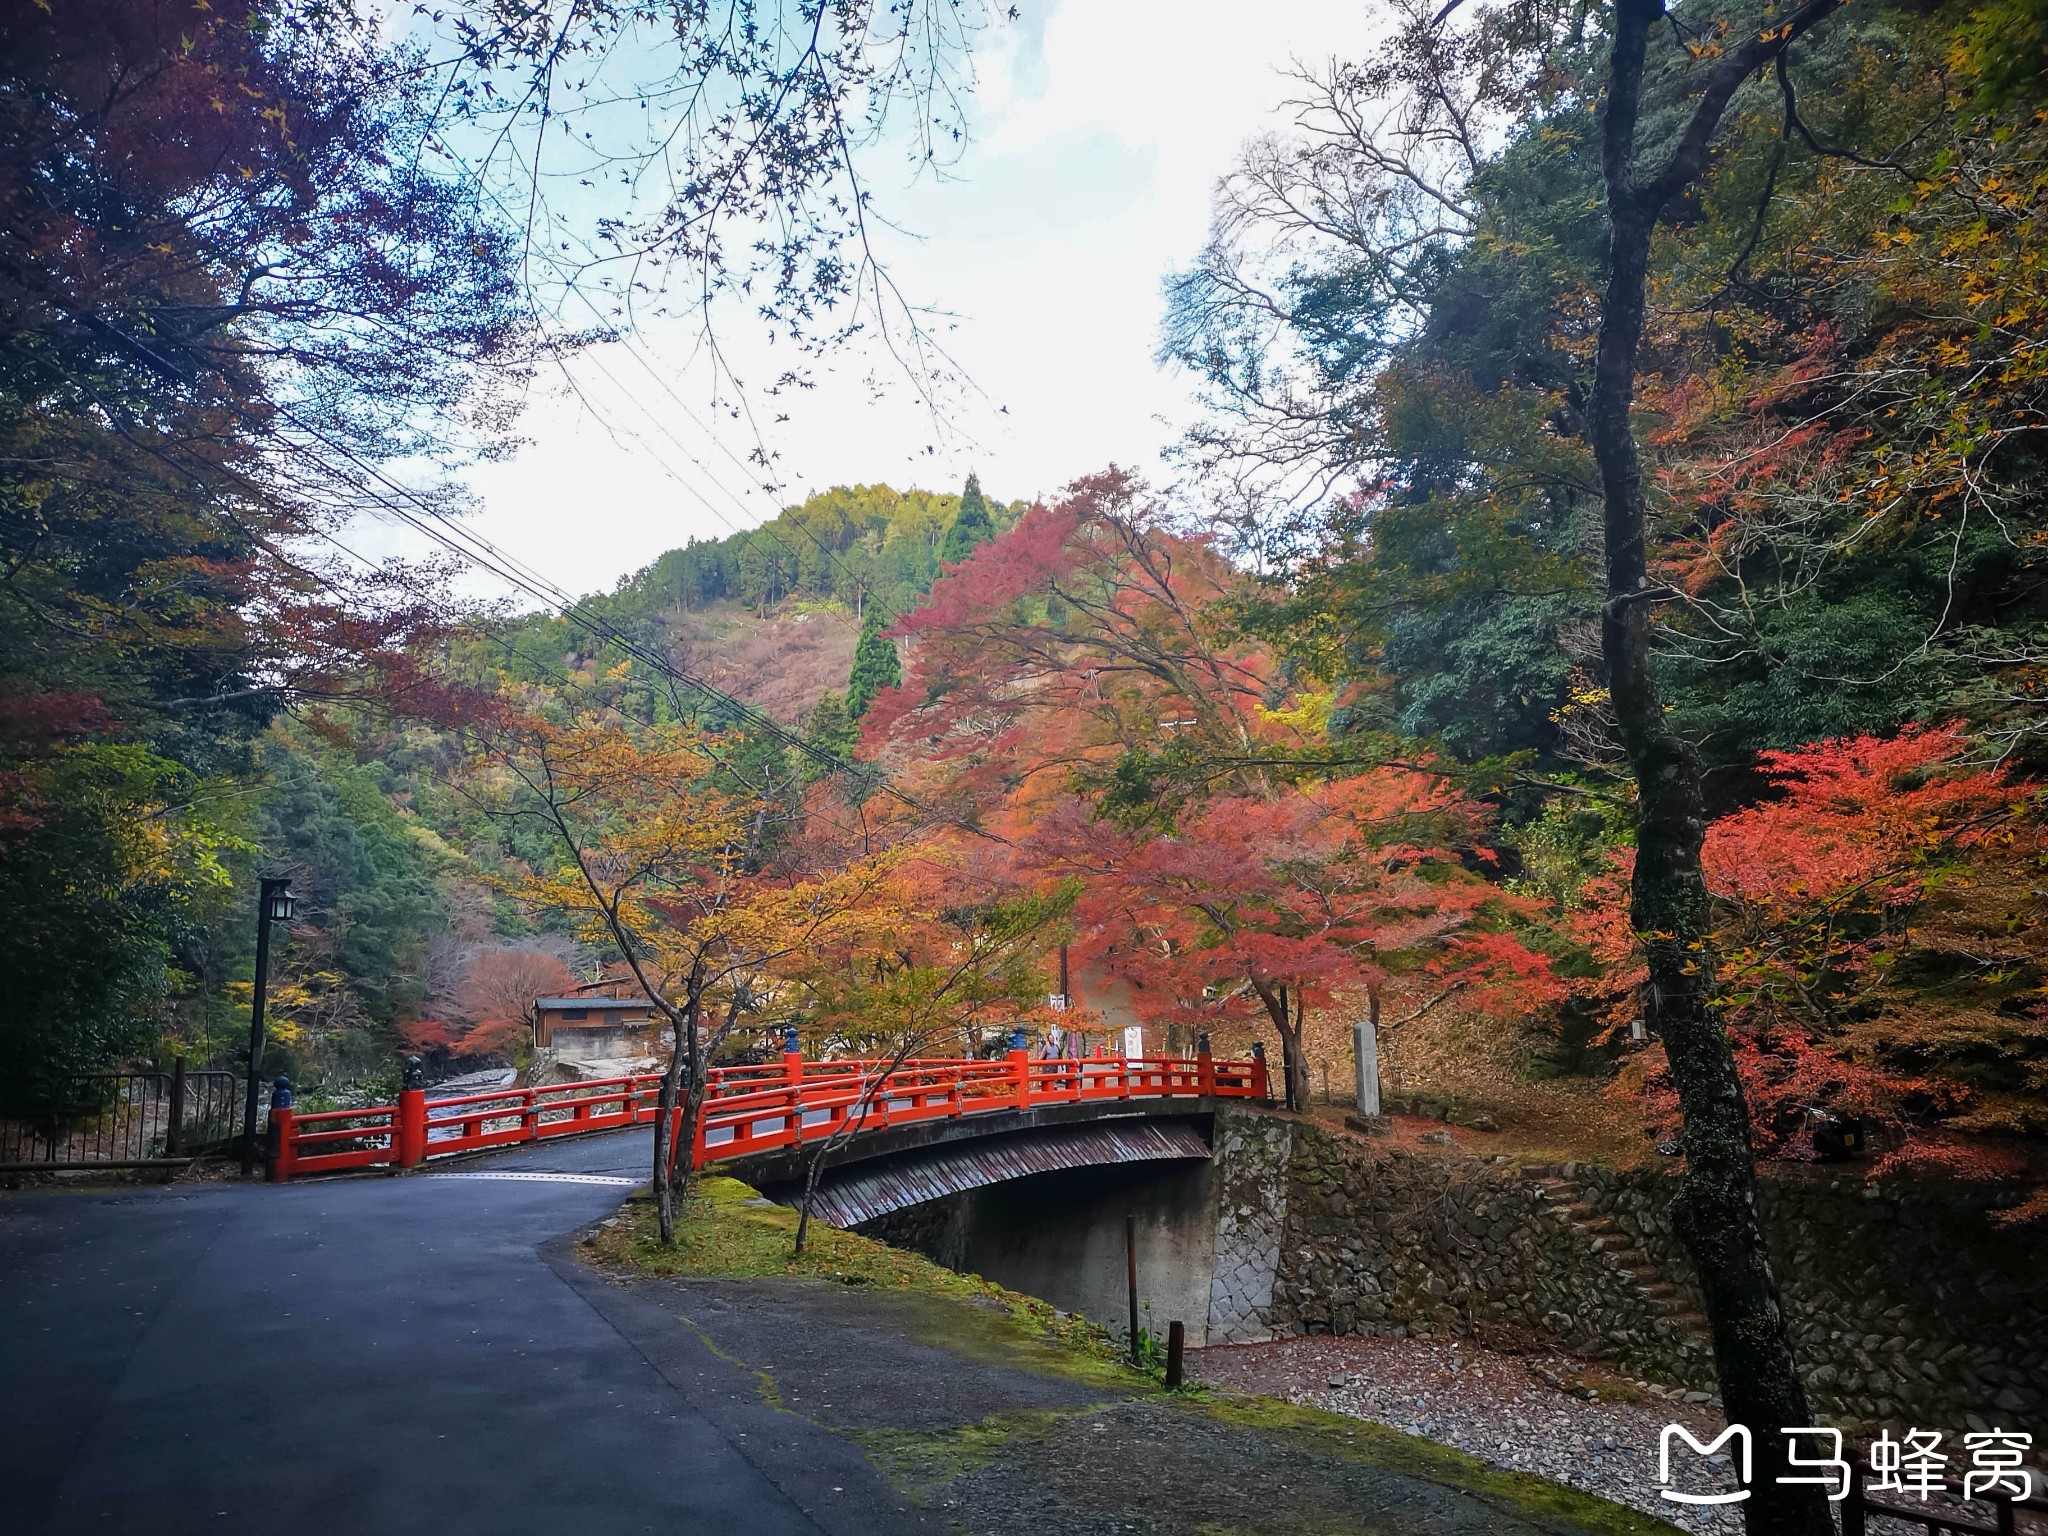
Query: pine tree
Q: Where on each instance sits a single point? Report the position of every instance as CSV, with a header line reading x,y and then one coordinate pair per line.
x,y
828,730
970,526
874,664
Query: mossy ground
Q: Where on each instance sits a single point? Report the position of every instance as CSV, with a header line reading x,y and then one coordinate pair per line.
x,y
1215,1462
727,1232
1286,1471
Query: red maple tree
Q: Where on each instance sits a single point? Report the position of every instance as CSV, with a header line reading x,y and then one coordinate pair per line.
x,y
1877,864
1071,691
1270,905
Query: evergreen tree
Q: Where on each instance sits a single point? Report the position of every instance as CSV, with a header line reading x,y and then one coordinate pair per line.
x,y
874,664
970,526
829,730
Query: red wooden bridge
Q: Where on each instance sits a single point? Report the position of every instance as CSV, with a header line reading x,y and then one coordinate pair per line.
x,y
747,1110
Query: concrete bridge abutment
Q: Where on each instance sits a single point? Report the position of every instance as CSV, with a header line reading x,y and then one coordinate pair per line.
x,y
1208,1232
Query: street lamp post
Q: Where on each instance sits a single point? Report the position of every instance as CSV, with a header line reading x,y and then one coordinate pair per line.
x,y
273,905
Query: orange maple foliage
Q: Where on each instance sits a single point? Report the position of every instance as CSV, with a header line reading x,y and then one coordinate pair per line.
x,y
1070,691
1835,900
497,992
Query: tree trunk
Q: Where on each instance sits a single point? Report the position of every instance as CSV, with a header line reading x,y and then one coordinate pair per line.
x,y
854,1117
1716,1214
1294,1078
681,1061
694,1087
664,1117
1301,1052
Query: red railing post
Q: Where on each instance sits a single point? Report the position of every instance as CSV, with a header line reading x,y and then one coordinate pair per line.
x,y
1205,1066
1020,1068
410,1134
284,1140
793,1074
1261,1089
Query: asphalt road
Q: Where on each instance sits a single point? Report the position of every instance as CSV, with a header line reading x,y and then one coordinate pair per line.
x,y
378,1357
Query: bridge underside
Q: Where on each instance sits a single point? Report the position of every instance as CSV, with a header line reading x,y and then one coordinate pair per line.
x,y
874,1174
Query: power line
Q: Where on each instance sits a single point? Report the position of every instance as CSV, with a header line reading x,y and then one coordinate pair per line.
x,y
538,663
471,546
765,528
869,598
478,550
467,544
633,350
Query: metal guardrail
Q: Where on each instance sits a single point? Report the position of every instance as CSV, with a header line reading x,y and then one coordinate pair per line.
x,y
746,1109
124,1120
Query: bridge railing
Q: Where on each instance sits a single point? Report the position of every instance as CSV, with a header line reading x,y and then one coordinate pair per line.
x,y
746,1109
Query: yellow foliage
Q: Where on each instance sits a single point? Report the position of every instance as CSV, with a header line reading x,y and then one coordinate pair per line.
x,y
1309,717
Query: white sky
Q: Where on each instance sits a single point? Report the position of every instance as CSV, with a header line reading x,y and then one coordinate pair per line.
x,y
1100,127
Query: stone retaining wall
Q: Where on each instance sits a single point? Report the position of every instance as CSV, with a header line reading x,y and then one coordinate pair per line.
x,y
1911,1307
1907,1305
1380,1240
1253,1156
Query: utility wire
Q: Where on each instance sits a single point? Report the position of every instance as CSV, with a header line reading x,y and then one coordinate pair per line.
x,y
471,546
634,351
868,597
512,652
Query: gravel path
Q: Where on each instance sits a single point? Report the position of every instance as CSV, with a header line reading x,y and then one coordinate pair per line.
x,y
1550,1414
1512,1411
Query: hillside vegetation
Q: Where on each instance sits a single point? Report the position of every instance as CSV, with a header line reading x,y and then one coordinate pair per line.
x,y
1335,733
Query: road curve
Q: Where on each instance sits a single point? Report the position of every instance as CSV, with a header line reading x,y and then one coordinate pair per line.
x,y
376,1357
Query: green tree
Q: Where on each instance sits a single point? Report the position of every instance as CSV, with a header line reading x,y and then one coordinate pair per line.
x,y
365,883
828,730
101,873
971,525
875,666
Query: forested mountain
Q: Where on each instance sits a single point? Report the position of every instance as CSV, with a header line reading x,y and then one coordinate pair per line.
x,y
849,545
